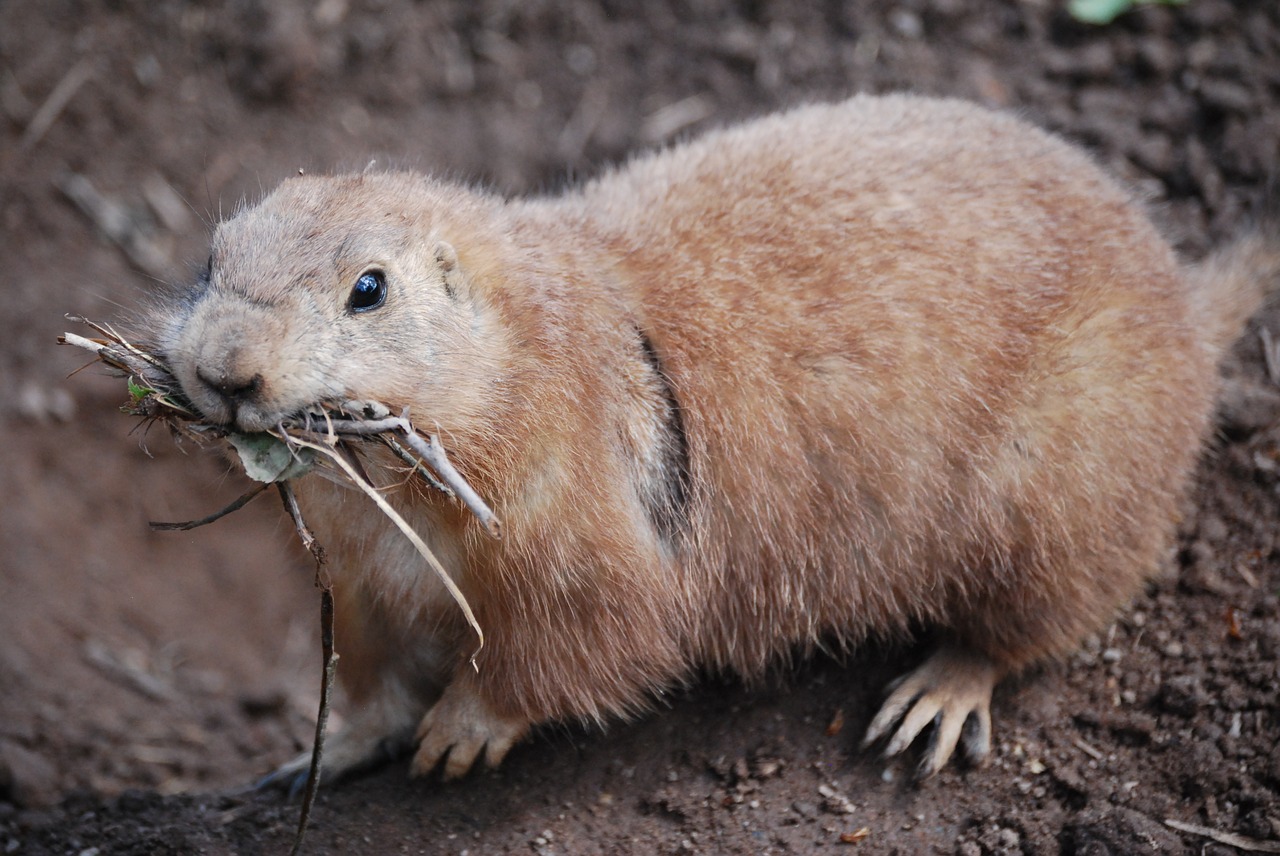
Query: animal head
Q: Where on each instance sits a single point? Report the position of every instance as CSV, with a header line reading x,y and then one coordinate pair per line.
x,y
332,289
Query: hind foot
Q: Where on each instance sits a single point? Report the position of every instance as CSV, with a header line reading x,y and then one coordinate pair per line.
x,y
375,733
952,690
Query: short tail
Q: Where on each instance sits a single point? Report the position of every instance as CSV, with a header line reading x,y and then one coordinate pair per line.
x,y
1232,282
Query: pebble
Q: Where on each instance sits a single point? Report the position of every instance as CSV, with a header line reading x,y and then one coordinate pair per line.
x,y
807,810
1228,96
1159,56
1154,153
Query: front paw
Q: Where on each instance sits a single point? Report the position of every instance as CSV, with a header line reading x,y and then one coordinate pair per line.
x,y
461,726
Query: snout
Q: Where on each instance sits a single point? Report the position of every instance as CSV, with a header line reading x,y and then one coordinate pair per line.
x,y
228,389
232,364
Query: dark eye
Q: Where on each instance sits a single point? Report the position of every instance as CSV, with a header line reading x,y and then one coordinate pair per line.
x,y
369,292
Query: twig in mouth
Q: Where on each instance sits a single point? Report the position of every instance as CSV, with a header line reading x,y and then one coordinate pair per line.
x,y
330,661
434,455
418,467
240,503
430,452
333,455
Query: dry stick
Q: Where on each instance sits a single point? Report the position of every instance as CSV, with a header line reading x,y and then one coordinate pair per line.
x,y
304,532
130,360
1230,839
117,343
330,661
433,454
57,101
418,467
217,515
405,528
1269,355
102,349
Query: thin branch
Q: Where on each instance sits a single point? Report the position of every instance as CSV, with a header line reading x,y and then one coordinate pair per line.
x,y
430,452
309,541
1270,355
434,455
1231,839
330,662
240,503
420,545
58,99
418,467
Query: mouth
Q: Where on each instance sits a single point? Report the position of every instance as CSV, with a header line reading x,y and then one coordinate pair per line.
x,y
320,417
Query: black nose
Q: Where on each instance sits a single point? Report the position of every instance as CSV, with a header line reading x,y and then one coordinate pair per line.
x,y
232,389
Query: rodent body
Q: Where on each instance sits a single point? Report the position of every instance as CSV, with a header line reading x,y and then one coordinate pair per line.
x,y
846,371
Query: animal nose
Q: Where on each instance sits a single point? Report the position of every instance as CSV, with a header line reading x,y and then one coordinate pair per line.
x,y
232,388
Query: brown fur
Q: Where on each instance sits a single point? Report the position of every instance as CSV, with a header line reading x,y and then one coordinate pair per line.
x,y
847,370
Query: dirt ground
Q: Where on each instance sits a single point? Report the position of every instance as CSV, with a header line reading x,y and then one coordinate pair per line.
x,y
146,677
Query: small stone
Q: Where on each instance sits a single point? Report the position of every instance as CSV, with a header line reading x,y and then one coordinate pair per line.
x,y
1009,838
1182,695
767,768
1227,96
907,23
1154,153
1244,408
806,810
1159,55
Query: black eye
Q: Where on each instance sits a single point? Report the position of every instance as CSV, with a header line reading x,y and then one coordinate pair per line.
x,y
369,292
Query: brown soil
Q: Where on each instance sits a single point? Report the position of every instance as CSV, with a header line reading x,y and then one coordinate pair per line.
x,y
144,676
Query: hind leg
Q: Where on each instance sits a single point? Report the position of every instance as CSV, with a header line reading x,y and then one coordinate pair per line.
x,y
375,732
952,690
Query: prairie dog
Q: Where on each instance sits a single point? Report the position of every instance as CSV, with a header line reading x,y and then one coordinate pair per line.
x,y
845,371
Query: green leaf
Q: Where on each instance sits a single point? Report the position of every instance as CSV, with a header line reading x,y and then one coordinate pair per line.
x,y
137,391
1105,11
267,459
1098,11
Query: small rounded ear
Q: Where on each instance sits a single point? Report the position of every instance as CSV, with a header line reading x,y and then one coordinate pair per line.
x,y
447,259
446,256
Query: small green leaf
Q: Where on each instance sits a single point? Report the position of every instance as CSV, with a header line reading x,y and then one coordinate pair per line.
x,y
1105,11
137,391
1098,11
267,459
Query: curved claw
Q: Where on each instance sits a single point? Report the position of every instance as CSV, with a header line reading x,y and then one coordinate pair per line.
x,y
952,691
459,728
289,778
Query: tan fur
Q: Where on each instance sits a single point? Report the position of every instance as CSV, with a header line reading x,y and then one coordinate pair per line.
x,y
930,368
